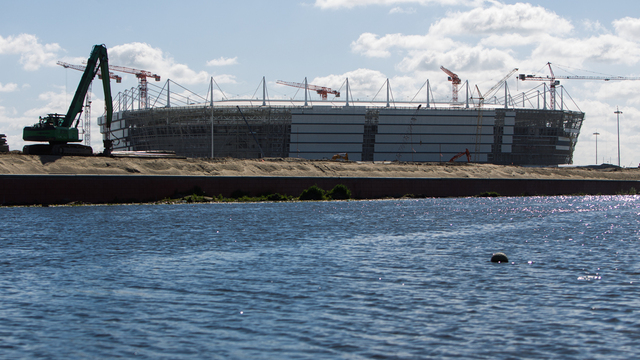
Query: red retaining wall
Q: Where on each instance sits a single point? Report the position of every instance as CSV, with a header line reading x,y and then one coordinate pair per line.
x,y
61,189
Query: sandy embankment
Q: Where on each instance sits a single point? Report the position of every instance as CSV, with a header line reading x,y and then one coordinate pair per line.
x,y
291,167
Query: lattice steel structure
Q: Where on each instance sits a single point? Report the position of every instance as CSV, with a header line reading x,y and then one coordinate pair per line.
x,y
367,131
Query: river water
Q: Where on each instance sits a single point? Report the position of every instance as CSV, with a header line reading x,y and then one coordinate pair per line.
x,y
398,279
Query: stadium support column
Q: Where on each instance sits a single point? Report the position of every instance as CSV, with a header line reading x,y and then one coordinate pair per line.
x,y
306,88
347,104
467,104
506,95
264,92
168,95
428,88
387,92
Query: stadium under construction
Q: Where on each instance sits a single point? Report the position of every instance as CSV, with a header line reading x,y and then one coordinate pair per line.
x,y
525,129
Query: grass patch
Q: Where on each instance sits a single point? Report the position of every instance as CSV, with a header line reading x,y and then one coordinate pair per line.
x,y
489,194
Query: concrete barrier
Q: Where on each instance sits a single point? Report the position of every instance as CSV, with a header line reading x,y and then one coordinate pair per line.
x,y
62,189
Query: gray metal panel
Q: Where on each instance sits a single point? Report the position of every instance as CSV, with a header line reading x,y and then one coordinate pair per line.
x,y
327,129
506,148
507,139
433,139
326,138
487,129
509,121
470,121
327,119
508,130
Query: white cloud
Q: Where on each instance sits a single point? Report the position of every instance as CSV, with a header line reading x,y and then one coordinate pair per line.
x,y
594,26
628,28
222,61
469,58
575,51
55,102
32,53
372,45
145,57
361,81
8,87
399,10
518,18
349,4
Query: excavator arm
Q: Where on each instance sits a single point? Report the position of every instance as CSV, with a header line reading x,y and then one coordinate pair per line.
x,y
460,154
99,53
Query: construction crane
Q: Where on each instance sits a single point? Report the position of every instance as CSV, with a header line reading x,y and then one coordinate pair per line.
x,y
553,82
321,90
142,76
495,87
86,126
455,81
65,65
460,154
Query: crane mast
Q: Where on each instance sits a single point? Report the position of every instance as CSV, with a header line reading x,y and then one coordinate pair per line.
x,y
455,81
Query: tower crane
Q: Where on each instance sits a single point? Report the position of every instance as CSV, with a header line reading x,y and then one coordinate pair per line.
x,y
65,65
321,90
142,76
455,81
86,126
553,82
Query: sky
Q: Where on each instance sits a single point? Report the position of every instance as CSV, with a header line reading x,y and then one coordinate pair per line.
x,y
327,41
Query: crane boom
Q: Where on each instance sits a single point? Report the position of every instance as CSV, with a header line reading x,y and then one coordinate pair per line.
x,y
553,81
490,92
65,65
142,76
321,90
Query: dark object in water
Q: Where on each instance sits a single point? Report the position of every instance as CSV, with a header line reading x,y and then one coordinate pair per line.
x,y
499,258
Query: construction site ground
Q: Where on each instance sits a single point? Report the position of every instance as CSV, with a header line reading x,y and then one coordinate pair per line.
x,y
18,164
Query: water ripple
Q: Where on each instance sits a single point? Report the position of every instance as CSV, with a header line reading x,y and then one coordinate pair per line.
x,y
372,279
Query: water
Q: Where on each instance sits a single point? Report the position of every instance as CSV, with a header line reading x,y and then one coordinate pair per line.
x,y
406,279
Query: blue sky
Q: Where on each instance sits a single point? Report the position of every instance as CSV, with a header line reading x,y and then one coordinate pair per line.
x,y
328,40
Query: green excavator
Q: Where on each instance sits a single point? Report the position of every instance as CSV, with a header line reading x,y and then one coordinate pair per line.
x,y
60,129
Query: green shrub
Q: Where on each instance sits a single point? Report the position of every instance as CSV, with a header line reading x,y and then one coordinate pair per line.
x,y
312,193
276,197
339,192
489,194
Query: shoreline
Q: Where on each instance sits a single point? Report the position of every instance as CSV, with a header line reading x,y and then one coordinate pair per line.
x,y
49,180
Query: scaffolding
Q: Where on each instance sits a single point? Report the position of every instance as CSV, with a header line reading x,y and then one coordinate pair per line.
x,y
188,131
